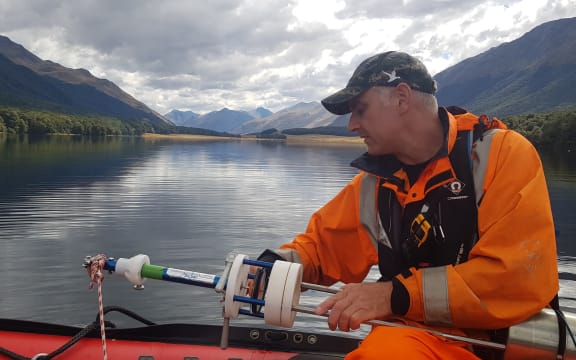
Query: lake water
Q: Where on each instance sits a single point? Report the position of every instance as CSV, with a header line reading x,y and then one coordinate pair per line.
x,y
186,205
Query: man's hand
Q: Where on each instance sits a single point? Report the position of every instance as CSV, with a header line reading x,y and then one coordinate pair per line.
x,y
357,303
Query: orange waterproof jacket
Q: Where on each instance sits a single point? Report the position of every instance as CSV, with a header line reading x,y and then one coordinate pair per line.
x,y
511,272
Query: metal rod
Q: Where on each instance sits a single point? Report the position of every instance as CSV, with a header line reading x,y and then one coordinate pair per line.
x,y
250,313
483,343
222,280
225,333
307,310
248,300
258,263
319,288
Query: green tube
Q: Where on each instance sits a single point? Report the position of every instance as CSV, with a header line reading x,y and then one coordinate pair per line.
x,y
152,272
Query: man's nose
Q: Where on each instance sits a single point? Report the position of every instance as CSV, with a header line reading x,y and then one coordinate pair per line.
x,y
352,124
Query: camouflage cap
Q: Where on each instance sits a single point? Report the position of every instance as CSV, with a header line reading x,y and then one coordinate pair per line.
x,y
386,69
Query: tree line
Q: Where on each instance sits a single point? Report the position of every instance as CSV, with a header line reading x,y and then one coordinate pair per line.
x,y
35,122
547,131
39,122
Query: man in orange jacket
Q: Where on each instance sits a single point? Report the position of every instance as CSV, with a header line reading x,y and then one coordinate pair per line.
x,y
453,208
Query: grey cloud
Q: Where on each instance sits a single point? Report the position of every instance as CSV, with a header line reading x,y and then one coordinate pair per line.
x,y
203,55
411,9
160,36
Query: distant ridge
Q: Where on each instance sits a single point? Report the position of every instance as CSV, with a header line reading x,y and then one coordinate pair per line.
x,y
535,73
183,118
28,81
301,115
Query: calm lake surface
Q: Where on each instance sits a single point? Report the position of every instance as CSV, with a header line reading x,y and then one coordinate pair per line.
x,y
186,205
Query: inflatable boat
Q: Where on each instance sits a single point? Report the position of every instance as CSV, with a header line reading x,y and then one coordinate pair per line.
x,y
271,291
33,340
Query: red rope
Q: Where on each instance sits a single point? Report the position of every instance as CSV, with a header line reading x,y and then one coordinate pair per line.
x,y
96,277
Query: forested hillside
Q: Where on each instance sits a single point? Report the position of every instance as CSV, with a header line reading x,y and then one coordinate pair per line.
x,y
35,122
551,131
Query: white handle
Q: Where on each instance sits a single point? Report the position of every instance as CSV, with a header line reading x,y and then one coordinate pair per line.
x,y
131,268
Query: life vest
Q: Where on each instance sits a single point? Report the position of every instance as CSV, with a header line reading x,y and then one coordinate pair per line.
x,y
441,228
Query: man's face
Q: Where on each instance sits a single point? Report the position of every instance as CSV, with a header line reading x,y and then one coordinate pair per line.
x,y
375,118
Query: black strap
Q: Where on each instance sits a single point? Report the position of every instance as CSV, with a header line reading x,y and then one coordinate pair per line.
x,y
461,160
261,275
555,304
269,256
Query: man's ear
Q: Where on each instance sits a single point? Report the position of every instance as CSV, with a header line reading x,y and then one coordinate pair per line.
x,y
403,97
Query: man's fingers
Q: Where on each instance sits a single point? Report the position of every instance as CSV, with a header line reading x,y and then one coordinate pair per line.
x,y
325,306
339,314
356,320
357,303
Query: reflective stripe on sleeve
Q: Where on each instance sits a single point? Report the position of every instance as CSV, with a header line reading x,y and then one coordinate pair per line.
x,y
435,296
481,149
368,210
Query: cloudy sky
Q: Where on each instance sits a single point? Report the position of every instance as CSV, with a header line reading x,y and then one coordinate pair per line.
x,y
203,55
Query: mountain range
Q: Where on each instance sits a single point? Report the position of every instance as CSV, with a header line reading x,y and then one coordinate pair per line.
x,y
224,120
30,82
534,73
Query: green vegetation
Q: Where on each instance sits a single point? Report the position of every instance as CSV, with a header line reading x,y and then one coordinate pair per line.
x,y
322,130
39,122
548,131
270,134
35,122
194,131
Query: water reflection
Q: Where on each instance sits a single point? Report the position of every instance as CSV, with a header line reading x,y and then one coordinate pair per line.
x,y
35,164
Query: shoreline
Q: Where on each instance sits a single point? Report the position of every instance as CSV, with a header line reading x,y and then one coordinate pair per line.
x,y
290,139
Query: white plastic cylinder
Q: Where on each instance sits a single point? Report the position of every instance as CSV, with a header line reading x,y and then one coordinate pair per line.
x,y
132,268
283,294
237,284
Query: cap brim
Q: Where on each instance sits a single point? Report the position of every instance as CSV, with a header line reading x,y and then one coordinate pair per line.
x,y
339,103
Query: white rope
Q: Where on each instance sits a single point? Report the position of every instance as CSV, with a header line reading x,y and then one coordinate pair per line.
x,y
96,277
